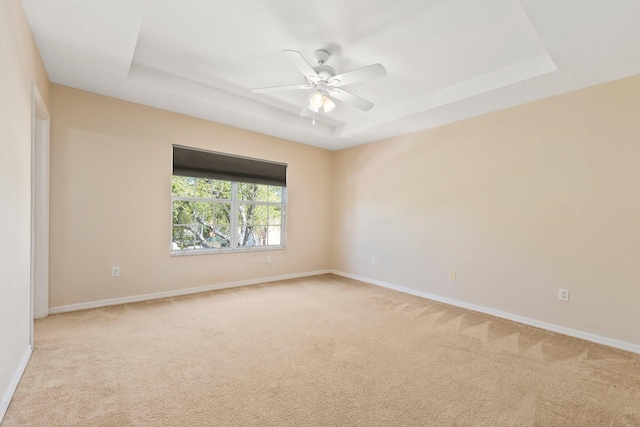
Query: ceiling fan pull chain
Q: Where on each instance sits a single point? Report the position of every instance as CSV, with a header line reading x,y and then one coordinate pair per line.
x,y
313,118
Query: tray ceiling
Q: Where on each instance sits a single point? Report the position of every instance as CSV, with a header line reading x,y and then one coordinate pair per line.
x,y
445,61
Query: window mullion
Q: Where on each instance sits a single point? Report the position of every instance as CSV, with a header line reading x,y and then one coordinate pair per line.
x,y
283,217
198,199
234,216
256,202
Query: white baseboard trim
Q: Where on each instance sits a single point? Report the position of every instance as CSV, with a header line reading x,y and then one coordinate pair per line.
x,y
179,292
8,394
623,345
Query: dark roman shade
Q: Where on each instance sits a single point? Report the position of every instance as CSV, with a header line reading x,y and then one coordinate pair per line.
x,y
209,164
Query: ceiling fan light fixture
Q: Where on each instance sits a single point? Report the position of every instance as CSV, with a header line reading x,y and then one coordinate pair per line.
x,y
315,101
320,100
311,105
328,104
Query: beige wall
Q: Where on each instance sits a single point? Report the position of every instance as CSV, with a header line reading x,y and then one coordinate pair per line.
x,y
111,201
20,65
520,203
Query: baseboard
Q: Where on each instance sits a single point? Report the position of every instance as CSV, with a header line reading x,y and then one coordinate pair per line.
x,y
623,345
179,292
599,339
8,394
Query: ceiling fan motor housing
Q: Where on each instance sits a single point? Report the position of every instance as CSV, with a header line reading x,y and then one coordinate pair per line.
x,y
325,72
321,56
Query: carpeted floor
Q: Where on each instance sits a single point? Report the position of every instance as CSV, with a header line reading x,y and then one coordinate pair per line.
x,y
319,351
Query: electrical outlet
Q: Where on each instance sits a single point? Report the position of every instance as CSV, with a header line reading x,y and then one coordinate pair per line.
x,y
452,275
269,259
563,294
115,271
373,260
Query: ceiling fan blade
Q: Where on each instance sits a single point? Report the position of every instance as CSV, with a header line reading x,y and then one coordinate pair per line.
x,y
305,112
279,88
351,99
355,76
301,64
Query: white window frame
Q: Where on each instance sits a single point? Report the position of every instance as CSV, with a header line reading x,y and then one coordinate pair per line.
x,y
233,226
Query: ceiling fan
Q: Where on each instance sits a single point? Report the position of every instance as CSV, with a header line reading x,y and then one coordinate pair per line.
x,y
326,84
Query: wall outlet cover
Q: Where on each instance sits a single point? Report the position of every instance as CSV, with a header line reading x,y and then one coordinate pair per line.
x,y
563,294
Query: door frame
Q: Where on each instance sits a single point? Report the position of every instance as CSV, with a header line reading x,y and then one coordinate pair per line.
x,y
40,166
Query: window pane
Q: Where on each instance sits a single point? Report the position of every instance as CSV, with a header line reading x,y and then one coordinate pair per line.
x,y
252,214
221,189
203,188
201,224
220,237
182,237
275,215
253,192
182,186
274,235
222,213
245,236
182,212
212,189
275,194
220,233
204,213
260,235
252,235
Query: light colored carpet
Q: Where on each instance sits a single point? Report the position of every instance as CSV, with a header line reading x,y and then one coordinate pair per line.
x,y
320,351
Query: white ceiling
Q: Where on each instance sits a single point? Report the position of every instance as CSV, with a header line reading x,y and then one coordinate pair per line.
x,y
445,60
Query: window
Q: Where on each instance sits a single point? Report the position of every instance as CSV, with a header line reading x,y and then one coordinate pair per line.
x,y
211,214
